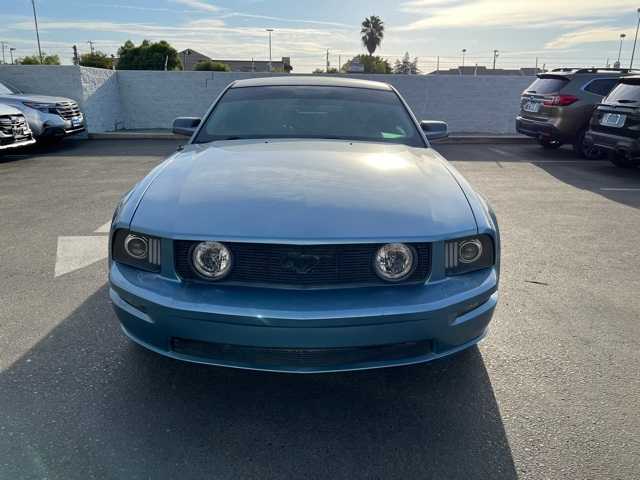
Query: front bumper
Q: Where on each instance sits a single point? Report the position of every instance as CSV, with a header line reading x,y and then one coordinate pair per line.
x,y
303,331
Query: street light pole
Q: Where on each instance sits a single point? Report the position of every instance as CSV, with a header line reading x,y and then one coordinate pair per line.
x,y
635,40
464,50
11,50
495,55
270,65
35,20
622,35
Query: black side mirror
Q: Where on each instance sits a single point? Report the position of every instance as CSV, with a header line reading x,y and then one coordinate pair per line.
x,y
185,125
434,129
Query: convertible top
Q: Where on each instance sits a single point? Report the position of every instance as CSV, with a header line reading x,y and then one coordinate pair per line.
x,y
310,80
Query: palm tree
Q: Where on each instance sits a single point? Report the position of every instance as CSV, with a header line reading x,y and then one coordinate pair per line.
x,y
372,32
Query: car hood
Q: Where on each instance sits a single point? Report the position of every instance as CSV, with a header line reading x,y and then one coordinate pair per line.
x,y
26,97
7,110
304,191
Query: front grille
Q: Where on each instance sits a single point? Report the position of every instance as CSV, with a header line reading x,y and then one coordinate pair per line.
x,y
330,265
299,358
67,110
12,123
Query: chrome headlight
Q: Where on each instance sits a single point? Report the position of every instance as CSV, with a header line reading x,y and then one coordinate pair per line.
x,y
394,262
468,254
136,250
43,107
212,260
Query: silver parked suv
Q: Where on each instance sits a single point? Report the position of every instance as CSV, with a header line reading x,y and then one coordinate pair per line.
x,y
50,118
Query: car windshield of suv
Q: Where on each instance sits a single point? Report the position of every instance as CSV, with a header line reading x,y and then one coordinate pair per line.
x,y
546,85
624,93
6,89
310,112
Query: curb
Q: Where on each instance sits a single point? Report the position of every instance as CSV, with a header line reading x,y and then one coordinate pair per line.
x,y
455,139
136,136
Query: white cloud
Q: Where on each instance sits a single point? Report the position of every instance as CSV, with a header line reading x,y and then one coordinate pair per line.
x,y
199,5
508,13
590,35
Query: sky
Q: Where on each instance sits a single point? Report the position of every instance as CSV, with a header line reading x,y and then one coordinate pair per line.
x,y
555,32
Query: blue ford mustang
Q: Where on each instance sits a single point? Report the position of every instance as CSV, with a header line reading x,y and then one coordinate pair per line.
x,y
307,226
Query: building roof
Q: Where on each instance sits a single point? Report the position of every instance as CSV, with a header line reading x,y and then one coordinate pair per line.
x,y
311,80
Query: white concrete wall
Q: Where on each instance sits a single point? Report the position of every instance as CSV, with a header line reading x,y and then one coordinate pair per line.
x,y
152,99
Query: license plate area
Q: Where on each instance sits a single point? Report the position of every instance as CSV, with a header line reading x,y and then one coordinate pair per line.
x,y
615,120
531,106
76,121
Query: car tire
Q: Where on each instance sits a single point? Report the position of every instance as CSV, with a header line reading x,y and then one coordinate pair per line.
x,y
621,160
549,144
585,151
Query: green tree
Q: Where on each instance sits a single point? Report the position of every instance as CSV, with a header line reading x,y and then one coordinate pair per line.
x,y
318,71
35,60
148,56
97,59
371,64
210,65
372,32
406,66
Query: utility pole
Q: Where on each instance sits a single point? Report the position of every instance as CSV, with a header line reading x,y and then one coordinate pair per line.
x,y
327,69
76,59
90,42
11,50
270,65
622,36
536,65
438,63
4,45
35,20
635,41
495,55
339,63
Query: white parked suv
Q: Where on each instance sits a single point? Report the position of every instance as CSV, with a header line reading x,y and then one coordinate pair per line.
x,y
14,129
48,117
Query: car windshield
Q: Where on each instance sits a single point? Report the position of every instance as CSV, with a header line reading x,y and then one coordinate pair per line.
x,y
310,112
6,89
624,93
546,85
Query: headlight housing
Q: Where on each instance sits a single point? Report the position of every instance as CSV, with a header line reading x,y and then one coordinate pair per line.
x,y
136,250
43,107
466,255
211,260
394,262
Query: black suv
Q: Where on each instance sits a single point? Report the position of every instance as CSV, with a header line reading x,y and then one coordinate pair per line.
x,y
556,108
615,124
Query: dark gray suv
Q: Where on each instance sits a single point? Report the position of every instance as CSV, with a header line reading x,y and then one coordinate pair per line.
x,y
557,106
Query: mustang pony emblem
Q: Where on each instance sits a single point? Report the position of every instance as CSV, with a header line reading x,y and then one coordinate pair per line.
x,y
299,262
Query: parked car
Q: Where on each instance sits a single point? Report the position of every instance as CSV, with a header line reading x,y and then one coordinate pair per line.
x,y
307,226
615,125
557,106
50,118
14,130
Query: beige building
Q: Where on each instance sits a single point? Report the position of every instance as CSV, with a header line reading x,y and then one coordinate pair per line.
x,y
190,59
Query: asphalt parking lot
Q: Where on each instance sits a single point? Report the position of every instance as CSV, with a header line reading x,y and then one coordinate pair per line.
x,y
553,392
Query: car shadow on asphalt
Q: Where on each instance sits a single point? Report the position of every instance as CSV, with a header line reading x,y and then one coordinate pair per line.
x,y
86,403
72,147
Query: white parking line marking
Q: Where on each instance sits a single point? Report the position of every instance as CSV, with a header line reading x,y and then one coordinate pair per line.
x,y
621,189
75,253
499,151
104,228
